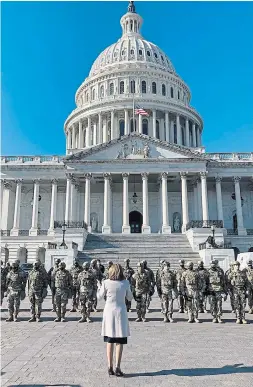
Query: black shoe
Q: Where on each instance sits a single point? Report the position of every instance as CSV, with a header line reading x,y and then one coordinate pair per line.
x,y
118,372
110,371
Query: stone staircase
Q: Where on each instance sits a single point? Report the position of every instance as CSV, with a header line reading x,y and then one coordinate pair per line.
x,y
137,247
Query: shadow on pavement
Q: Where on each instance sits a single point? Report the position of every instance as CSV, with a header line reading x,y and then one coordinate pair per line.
x,y
228,369
45,385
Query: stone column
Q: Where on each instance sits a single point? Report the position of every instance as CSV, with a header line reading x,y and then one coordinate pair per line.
x,y
94,133
172,138
67,201
194,135
162,131
87,196
179,133
199,200
166,229
80,135
73,137
219,198
88,133
240,225
69,139
53,207
154,123
72,200
34,229
205,214
140,124
145,226
5,204
100,133
15,228
187,133
105,134
106,229
196,205
167,127
112,125
127,129
185,211
125,226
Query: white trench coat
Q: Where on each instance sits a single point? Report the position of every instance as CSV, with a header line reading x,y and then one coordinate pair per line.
x,y
115,318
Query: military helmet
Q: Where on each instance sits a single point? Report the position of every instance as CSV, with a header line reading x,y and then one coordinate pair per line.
x,y
166,263
189,264
181,261
144,262
109,263
57,261
127,260
249,263
86,265
62,264
237,263
17,261
162,261
93,261
139,264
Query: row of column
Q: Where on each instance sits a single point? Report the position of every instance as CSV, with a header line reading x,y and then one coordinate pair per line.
x,y
200,195
100,130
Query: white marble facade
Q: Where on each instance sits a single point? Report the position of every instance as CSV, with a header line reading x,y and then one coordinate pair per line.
x,y
159,157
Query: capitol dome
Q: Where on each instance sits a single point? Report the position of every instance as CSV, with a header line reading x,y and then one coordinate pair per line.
x,y
132,73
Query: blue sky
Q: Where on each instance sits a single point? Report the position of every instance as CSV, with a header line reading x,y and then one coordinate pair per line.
x,y
49,47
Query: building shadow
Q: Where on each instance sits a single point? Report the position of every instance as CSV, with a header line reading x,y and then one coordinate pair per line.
x,y
228,369
46,384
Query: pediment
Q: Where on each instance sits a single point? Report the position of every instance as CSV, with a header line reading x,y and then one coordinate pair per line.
x,y
134,147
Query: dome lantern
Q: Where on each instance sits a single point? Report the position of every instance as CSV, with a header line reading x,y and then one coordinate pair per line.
x,y
131,22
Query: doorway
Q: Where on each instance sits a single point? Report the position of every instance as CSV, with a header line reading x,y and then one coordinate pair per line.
x,y
135,222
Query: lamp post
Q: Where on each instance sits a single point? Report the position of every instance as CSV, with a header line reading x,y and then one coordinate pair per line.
x,y
213,232
63,244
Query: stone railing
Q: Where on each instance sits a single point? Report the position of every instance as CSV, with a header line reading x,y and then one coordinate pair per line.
x,y
204,224
231,231
42,232
5,232
31,159
231,156
206,245
70,224
249,231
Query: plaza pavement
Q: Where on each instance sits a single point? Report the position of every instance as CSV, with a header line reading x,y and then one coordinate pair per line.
x,y
158,354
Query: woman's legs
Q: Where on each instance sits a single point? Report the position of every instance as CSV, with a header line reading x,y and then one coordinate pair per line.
x,y
109,352
119,350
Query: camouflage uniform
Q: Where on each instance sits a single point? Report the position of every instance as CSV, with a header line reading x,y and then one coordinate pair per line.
x,y
63,287
239,283
86,283
37,291
51,281
249,274
216,291
157,280
141,287
96,274
167,290
229,287
191,284
15,285
152,281
203,278
4,273
75,271
181,297
128,273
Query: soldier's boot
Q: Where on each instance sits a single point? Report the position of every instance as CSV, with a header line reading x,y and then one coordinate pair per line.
x,y
63,317
139,319
32,319
250,311
82,319
54,308
220,320
15,319
215,320
58,318
88,319
38,319
165,318
170,318
244,321
190,318
238,321
10,318
196,320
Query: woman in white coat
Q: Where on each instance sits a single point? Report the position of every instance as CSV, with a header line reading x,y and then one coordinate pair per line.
x,y
115,327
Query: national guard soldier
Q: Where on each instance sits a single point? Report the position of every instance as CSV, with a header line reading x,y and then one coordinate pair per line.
x,y
87,283
141,288
249,273
157,280
75,271
167,290
152,281
37,291
128,273
106,273
15,285
181,297
203,278
93,268
63,290
239,283
229,286
51,277
190,289
4,273
216,291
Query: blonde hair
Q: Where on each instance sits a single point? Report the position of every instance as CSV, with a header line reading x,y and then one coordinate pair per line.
x,y
115,272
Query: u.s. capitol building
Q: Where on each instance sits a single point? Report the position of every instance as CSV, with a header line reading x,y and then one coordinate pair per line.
x,y
120,175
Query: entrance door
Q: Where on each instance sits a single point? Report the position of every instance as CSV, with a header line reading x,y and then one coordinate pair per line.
x,y
135,222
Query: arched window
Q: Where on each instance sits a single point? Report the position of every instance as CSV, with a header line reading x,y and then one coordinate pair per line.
x,y
131,25
171,92
143,87
93,94
87,96
121,128
109,131
145,126
133,125
153,87
140,52
122,87
163,89
102,91
111,88
155,55
132,51
157,129
148,53
132,87
178,94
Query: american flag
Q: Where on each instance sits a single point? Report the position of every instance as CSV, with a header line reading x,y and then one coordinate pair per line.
x,y
141,111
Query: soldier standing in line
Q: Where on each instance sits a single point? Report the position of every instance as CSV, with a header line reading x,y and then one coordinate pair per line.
x,y
96,273
75,271
157,280
181,297
203,278
37,291
229,287
51,276
216,290
141,288
86,284
128,273
106,273
4,273
15,285
239,283
63,290
167,290
191,286
249,274
152,281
